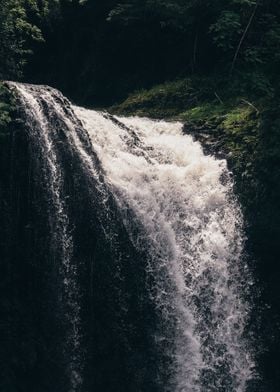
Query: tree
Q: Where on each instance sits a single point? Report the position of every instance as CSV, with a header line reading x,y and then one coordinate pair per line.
x,y
16,35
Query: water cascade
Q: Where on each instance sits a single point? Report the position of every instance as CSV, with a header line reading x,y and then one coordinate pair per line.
x,y
144,252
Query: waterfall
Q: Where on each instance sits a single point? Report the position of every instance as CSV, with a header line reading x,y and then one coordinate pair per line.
x,y
148,239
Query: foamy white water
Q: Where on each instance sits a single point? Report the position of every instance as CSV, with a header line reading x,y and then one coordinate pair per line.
x,y
192,229
178,207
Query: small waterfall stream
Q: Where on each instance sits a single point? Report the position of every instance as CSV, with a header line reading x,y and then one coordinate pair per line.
x,y
151,224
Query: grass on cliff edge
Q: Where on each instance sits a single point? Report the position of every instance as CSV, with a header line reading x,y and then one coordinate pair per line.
x,y
195,98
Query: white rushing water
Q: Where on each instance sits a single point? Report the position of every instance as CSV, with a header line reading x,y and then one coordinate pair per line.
x,y
177,205
192,229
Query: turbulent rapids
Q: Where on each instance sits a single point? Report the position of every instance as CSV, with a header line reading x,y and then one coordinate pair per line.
x,y
144,238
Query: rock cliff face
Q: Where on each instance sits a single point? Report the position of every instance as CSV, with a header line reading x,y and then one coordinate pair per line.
x,y
28,326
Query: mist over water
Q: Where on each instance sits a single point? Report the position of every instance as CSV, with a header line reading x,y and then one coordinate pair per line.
x,y
178,210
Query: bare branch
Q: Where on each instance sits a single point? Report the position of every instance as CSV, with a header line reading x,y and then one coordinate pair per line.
x,y
243,36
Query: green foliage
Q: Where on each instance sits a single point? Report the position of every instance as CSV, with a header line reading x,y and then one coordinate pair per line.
x,y
226,29
165,100
147,41
99,52
17,34
167,14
